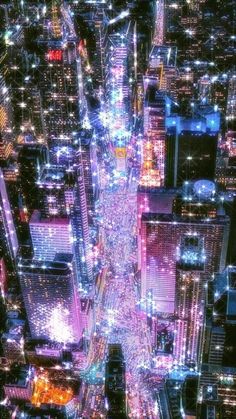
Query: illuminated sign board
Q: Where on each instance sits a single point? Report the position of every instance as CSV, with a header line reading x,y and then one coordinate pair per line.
x,y
55,55
120,152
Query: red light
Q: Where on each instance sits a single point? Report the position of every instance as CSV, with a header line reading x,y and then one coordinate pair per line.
x,y
55,55
81,47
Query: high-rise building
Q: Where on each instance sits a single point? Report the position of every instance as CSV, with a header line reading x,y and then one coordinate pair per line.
x,y
3,276
196,156
31,159
5,109
8,237
13,338
50,297
86,155
159,32
115,382
50,236
162,70
198,199
20,383
6,148
61,84
191,145
154,126
152,200
161,236
218,346
56,191
150,174
91,23
231,101
80,231
119,54
189,303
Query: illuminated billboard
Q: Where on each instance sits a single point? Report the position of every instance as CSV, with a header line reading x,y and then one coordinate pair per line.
x,y
55,55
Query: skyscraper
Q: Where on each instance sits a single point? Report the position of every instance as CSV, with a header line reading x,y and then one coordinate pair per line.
x,y
31,159
61,82
5,109
8,237
86,155
80,231
218,346
91,24
118,51
161,236
162,70
56,191
191,146
50,236
189,302
115,382
50,297
154,126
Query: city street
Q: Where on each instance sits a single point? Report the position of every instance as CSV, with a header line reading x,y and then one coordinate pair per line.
x,y
117,317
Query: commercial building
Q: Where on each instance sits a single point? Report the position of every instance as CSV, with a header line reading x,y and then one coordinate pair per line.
x,y
218,345
56,191
115,387
191,155
191,145
199,199
5,109
61,84
86,155
80,231
3,276
189,302
8,237
161,235
162,71
6,148
154,126
50,297
152,200
119,56
50,236
20,383
13,345
31,159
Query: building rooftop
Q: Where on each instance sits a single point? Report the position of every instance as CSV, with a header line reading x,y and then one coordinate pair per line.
x,y
20,377
61,267
45,392
165,54
175,219
55,175
37,219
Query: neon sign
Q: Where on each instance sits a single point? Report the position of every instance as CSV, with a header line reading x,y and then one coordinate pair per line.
x,y
55,55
